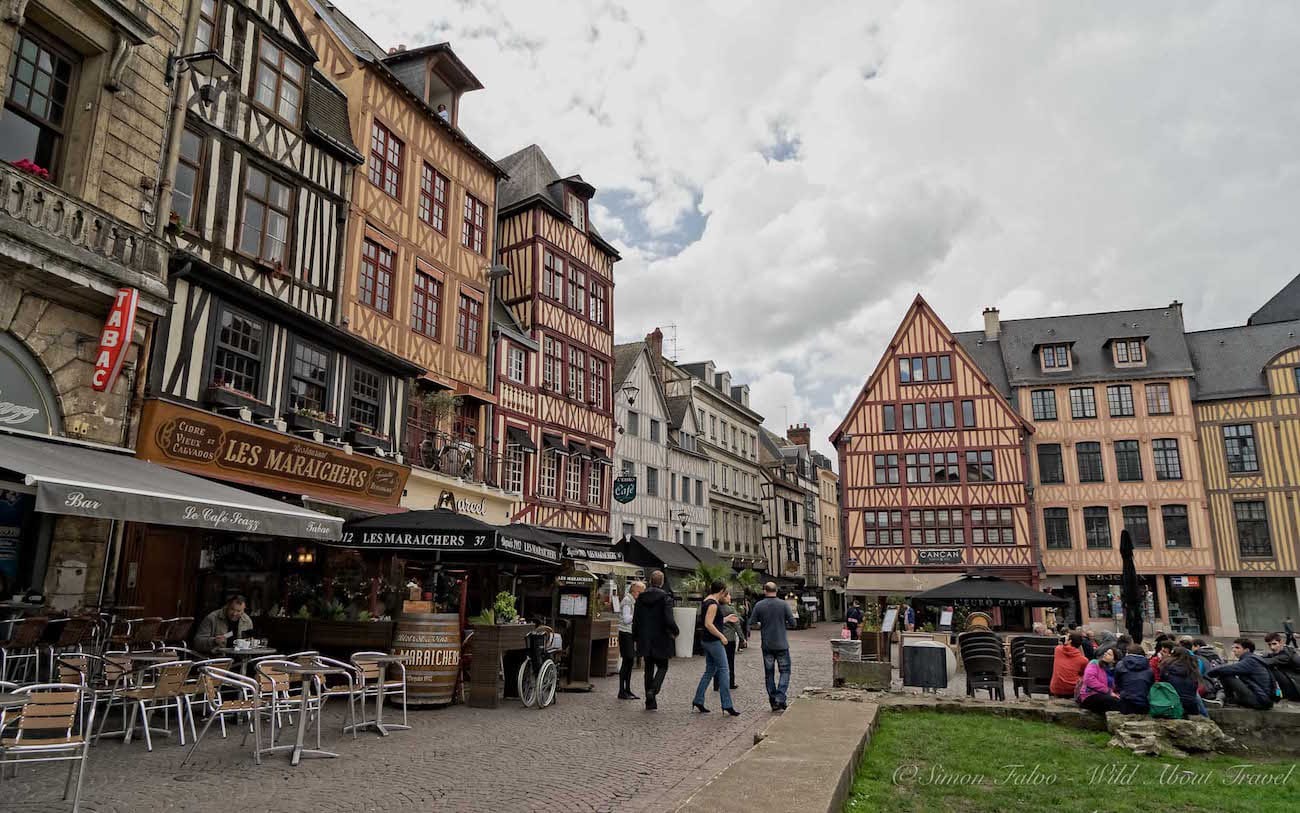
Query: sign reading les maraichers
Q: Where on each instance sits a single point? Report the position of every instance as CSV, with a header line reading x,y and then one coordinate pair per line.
x,y
210,445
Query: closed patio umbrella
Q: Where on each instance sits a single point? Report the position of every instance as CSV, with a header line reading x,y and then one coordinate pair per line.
x,y
1130,589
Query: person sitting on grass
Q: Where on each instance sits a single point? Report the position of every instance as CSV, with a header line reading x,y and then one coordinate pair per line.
x,y
1133,680
1097,686
1284,663
1163,650
1247,682
1068,663
1180,670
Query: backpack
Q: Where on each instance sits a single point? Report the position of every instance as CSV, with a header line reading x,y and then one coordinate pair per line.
x,y
1163,701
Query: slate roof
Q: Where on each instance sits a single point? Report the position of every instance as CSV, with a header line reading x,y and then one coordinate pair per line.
x,y
327,116
988,357
1283,307
624,360
533,179
677,406
1230,361
468,79
1166,354
505,321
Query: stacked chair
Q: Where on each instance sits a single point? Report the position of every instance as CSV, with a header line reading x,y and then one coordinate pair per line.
x,y
1031,663
984,660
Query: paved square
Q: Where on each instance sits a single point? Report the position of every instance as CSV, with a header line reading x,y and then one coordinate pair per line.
x,y
589,752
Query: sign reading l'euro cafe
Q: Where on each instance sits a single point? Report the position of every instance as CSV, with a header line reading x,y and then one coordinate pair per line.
x,y
209,445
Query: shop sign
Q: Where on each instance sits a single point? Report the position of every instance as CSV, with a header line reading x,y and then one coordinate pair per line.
x,y
459,542
592,554
1185,581
574,581
23,403
532,550
624,488
946,556
212,446
114,339
449,501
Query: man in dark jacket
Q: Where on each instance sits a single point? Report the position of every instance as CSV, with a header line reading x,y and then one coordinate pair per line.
x,y
853,620
1133,681
1246,682
1283,663
654,629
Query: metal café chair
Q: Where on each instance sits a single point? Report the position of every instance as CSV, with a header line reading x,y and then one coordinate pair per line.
x,y
71,637
195,687
246,699
144,633
49,728
167,688
21,648
377,683
176,631
352,689
277,690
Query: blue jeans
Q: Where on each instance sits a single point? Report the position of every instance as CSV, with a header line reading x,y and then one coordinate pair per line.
x,y
779,658
715,663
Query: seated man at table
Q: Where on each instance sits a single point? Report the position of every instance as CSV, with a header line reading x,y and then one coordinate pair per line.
x,y
221,627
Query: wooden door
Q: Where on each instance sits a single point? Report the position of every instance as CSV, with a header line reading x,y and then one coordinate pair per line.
x,y
158,570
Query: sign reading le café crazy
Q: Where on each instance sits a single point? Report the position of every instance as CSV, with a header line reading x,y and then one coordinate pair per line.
x,y
222,448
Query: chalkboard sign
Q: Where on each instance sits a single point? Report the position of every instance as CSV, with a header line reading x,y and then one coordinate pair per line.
x,y
891,618
925,667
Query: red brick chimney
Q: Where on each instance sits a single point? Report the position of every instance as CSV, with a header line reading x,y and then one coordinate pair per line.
x,y
800,435
654,342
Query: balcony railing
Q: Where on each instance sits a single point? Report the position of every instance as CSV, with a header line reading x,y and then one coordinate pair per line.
x,y
39,211
437,451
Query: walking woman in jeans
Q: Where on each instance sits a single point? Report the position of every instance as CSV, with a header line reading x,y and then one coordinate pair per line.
x,y
715,651
626,644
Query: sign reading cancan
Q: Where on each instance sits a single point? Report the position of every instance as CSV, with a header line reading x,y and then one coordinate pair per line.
x,y
944,556
212,446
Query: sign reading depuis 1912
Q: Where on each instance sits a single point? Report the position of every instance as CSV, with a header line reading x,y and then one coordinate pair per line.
x,y
210,445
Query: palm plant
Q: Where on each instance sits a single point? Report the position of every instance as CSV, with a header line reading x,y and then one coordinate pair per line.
x,y
705,575
749,582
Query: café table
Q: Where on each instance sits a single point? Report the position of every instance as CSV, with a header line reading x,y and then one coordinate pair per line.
x,y
140,663
378,723
308,673
243,657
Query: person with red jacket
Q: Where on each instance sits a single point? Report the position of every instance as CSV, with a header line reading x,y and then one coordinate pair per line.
x,y
1164,648
1068,663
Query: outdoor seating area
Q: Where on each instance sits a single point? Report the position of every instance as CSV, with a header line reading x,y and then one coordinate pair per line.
x,y
70,684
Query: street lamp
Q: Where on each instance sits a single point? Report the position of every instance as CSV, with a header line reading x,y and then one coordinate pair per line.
x,y
684,518
630,392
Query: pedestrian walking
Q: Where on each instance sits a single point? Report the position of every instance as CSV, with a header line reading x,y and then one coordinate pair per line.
x,y
715,651
626,643
1287,626
774,617
853,620
731,629
653,630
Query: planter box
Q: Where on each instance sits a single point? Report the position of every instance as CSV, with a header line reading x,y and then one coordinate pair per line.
x,y
222,397
362,438
350,636
306,423
283,634
488,646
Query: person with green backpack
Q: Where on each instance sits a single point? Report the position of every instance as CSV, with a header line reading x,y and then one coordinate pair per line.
x,y
1180,671
1133,680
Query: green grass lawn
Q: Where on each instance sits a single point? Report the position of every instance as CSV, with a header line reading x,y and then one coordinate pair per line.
x,y
931,761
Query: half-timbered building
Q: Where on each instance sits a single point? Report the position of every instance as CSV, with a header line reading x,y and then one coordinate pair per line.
x,y
257,214
932,468
556,428
419,246
1247,401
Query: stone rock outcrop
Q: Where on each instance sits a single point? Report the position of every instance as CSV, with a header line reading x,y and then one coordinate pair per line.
x,y
1175,738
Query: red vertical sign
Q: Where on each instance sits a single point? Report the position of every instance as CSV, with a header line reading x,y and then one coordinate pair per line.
x,y
113,342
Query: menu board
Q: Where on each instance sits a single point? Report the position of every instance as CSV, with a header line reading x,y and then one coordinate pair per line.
x,y
891,618
573,604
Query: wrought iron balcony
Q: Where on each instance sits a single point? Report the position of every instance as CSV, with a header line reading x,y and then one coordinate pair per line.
x,y
463,459
66,229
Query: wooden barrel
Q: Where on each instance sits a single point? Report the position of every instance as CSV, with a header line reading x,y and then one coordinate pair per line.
x,y
613,657
429,644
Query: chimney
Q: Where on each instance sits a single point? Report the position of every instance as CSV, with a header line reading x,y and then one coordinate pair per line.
x,y
800,435
392,50
992,324
655,345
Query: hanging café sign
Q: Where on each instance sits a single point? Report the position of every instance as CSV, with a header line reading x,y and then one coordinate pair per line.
x,y
450,542
226,449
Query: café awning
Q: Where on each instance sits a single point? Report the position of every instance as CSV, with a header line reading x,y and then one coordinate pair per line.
x,y
980,590
896,584
442,531
707,556
555,444
105,482
519,437
658,553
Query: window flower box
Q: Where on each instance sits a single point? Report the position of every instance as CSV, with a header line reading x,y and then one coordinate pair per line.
x,y
367,437
311,420
222,396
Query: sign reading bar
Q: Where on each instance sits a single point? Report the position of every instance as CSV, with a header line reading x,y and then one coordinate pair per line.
x,y
624,489
943,556
114,339
210,445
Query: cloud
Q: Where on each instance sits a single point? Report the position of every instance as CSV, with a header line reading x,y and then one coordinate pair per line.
x,y
783,182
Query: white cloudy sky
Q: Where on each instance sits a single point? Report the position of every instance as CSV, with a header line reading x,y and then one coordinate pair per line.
x,y
782,178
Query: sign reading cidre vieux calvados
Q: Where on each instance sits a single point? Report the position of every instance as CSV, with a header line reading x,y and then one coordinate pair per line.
x,y
213,446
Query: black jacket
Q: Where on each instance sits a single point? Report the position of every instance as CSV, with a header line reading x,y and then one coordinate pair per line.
x,y
1253,673
1183,681
1285,668
653,626
1133,679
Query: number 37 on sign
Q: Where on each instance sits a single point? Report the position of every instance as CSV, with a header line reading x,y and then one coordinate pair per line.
x,y
114,340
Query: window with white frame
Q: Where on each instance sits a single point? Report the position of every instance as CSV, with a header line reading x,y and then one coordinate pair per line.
x,y
514,470
516,365
577,374
595,483
573,479
546,480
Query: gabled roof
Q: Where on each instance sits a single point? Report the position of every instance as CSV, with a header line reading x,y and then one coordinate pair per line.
x,y
1284,306
624,360
1166,350
679,406
1230,361
467,80
987,356
369,52
505,322
534,181
327,116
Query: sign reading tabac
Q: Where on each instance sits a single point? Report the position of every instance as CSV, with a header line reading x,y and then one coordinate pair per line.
x,y
226,449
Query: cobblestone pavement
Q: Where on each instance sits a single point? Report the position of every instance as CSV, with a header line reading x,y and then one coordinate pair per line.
x,y
589,752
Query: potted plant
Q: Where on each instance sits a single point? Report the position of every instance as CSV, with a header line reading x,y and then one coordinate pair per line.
x,y
222,394
32,168
175,224
307,419
362,436
503,607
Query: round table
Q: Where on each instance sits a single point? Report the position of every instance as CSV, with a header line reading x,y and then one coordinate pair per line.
x,y
378,722
244,656
308,673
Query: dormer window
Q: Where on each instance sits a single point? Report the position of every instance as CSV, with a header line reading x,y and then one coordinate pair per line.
x,y
577,211
1054,357
1129,352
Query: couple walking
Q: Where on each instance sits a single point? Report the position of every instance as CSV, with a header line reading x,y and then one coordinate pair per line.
x,y
652,628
